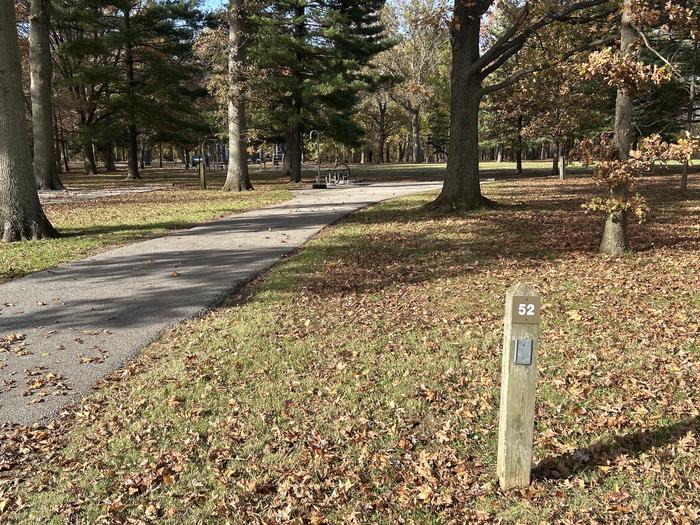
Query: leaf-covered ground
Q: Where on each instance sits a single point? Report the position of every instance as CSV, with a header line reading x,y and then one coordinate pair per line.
x,y
358,382
91,226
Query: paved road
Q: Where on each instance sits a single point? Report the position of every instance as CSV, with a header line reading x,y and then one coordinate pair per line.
x,y
64,329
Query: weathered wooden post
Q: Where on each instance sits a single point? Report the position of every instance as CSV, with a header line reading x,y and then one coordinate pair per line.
x,y
519,376
202,170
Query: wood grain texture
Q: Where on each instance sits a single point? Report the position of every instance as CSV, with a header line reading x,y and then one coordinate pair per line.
x,y
518,383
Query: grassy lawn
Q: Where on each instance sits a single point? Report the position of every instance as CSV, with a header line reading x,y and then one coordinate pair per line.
x,y
92,225
358,382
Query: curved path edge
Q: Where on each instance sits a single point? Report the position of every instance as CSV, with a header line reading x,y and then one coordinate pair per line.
x,y
76,323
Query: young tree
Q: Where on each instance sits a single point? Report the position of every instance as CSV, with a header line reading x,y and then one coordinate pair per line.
x,y
416,59
619,166
21,215
471,66
237,178
45,168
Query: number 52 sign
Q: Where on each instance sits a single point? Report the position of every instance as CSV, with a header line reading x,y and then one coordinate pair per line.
x,y
526,310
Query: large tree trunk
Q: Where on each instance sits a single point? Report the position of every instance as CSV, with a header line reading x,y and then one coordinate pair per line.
x,y
615,234
292,156
237,178
462,190
89,163
108,153
133,139
21,216
292,164
45,171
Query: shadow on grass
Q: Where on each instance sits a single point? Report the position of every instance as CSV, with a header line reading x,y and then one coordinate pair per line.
x,y
607,452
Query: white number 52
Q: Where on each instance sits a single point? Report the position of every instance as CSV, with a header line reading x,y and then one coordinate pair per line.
x,y
526,309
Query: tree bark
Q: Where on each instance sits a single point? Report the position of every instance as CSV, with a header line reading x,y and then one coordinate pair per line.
x,y
519,148
293,155
21,215
40,87
462,190
561,156
132,141
415,136
691,111
108,153
89,164
614,240
237,178
142,161
381,131
186,158
57,144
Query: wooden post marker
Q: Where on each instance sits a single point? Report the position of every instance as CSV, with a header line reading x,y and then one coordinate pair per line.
x,y
202,173
518,379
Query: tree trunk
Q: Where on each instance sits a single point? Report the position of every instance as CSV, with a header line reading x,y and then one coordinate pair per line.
x,y
45,165
108,152
381,132
66,160
519,148
561,155
160,155
42,113
21,215
57,144
614,240
691,111
186,158
462,189
89,165
132,141
237,178
142,162
415,136
293,155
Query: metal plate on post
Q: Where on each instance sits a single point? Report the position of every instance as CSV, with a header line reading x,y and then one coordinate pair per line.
x,y
526,310
523,352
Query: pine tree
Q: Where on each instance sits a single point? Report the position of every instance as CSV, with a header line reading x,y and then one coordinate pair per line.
x,y
313,54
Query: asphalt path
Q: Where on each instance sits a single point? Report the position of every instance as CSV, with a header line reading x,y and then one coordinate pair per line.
x,y
63,329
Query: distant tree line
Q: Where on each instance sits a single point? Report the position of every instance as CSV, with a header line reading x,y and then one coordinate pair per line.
x,y
396,81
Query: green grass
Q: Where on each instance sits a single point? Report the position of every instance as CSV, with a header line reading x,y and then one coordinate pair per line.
x,y
358,382
90,226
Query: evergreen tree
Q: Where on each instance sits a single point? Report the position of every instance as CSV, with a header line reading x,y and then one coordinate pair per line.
x,y
156,38
312,54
